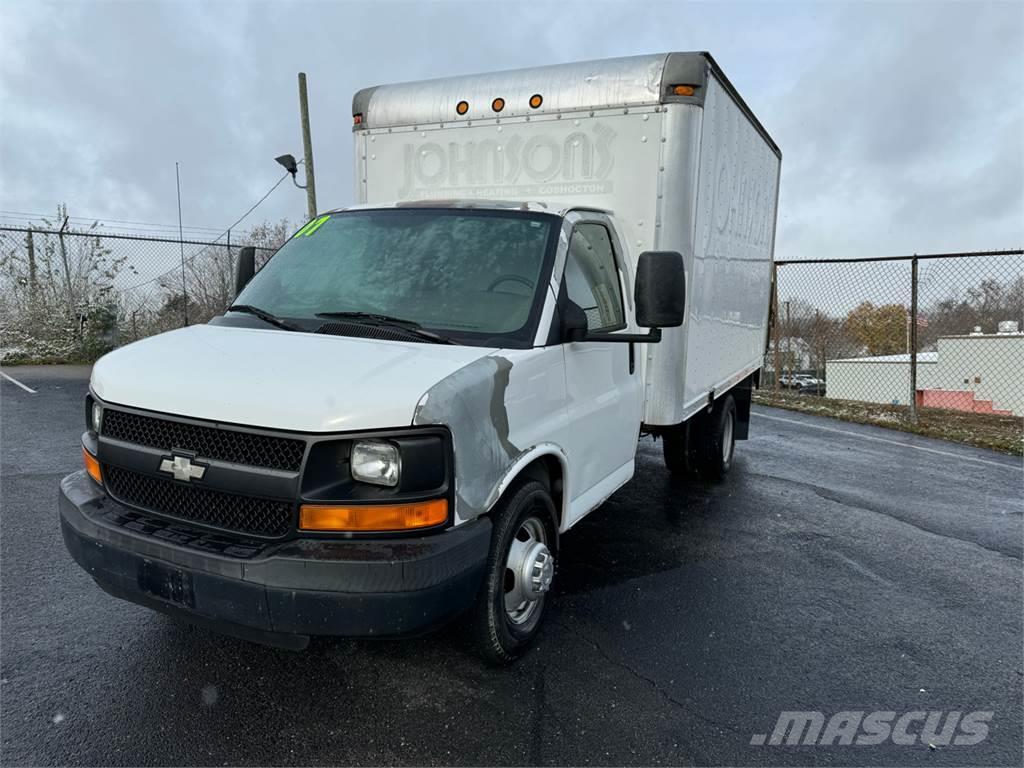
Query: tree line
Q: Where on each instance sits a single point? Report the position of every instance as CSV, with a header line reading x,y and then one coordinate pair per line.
x,y
70,294
810,333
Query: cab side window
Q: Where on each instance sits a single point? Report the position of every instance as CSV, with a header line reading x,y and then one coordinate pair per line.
x,y
592,279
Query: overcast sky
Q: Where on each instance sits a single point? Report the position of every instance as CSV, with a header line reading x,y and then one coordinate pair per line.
x,y
901,124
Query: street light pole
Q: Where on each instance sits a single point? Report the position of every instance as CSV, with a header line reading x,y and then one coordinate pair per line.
x,y
307,147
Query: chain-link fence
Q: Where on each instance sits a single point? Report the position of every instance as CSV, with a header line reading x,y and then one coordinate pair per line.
x,y
72,295
930,331
939,331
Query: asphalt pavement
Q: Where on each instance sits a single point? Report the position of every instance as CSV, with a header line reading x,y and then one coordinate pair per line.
x,y
839,568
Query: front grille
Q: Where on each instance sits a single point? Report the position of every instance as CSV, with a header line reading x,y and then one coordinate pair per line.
x,y
228,511
207,442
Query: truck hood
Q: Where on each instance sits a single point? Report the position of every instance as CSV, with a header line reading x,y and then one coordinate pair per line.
x,y
277,379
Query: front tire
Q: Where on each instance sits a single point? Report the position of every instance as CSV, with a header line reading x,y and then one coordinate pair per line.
x,y
512,600
676,446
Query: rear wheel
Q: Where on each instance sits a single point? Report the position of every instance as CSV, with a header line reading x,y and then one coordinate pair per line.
x,y
520,567
719,440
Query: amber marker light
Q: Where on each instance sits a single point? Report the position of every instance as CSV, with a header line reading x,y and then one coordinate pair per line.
x,y
498,104
536,100
682,90
462,107
92,466
376,517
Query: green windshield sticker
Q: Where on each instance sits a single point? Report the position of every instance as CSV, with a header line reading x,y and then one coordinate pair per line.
x,y
316,225
303,228
310,225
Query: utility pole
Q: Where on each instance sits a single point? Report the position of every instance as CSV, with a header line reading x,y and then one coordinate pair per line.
x,y
307,147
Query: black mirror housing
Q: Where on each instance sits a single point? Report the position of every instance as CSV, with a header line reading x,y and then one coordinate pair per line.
x,y
574,322
660,292
245,268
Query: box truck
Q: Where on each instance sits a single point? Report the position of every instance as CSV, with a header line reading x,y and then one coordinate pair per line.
x,y
417,396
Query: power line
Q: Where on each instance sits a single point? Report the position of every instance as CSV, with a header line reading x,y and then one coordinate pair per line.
x,y
76,228
162,275
254,205
148,225
222,234
112,236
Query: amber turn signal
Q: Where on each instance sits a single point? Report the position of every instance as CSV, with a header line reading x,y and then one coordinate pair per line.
x,y
384,517
92,466
682,90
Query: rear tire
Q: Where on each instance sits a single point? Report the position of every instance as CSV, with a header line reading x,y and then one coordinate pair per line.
x,y
511,604
719,440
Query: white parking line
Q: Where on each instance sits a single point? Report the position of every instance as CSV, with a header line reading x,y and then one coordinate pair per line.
x,y
18,383
885,440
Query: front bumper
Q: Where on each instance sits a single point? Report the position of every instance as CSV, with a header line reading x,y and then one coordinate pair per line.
x,y
279,593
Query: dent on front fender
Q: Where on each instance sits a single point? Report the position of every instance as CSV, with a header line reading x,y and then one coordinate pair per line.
x,y
498,409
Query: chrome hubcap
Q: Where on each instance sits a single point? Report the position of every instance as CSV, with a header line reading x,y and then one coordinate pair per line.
x,y
529,570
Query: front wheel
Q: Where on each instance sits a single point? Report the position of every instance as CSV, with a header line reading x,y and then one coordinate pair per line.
x,y
520,567
677,448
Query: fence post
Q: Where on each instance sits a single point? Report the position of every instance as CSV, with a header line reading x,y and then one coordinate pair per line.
x,y
67,267
913,340
775,323
790,356
33,280
181,244
227,277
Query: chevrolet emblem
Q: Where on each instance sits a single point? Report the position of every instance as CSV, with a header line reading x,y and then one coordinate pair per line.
x,y
182,468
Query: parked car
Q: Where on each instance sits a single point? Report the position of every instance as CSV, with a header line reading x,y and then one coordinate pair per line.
x,y
416,397
808,385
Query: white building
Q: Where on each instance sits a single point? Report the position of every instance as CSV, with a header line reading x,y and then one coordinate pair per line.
x,y
794,354
982,373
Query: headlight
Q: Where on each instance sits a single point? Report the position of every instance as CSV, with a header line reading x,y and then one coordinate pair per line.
x,y
97,417
376,462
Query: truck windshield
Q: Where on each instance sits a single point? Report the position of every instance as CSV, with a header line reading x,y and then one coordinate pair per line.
x,y
472,275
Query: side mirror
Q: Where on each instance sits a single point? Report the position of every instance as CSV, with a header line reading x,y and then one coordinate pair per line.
x,y
574,322
660,290
245,268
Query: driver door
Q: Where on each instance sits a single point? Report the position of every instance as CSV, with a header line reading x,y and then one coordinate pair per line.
x,y
603,386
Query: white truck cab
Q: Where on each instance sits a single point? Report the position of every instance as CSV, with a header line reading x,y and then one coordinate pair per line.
x,y
415,397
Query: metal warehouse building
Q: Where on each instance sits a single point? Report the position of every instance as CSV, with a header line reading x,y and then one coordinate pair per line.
x,y
981,373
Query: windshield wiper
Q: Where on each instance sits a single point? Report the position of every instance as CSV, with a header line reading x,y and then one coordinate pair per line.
x,y
263,315
370,318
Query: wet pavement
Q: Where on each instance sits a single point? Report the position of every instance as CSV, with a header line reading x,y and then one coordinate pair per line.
x,y
840,567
